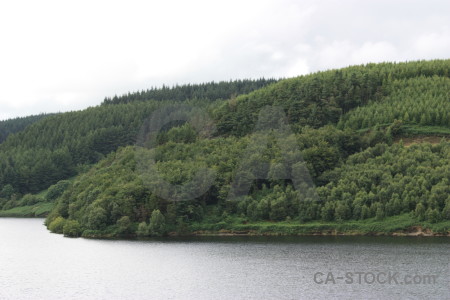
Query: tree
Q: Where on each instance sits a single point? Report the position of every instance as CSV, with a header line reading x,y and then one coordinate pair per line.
x,y
432,215
327,212
72,228
380,213
419,212
263,209
7,191
124,224
157,223
56,190
278,209
446,210
365,212
57,225
342,211
143,229
252,210
97,218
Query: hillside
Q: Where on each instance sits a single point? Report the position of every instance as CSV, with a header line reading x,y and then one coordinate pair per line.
x,y
14,125
210,91
329,156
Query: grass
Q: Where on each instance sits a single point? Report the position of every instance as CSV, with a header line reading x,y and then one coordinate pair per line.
x,y
409,130
38,210
396,224
41,209
415,129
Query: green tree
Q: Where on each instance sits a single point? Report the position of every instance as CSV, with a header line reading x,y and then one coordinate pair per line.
x,y
157,223
7,191
419,212
327,211
380,213
56,190
143,229
57,225
124,224
446,210
432,215
278,208
71,228
97,218
342,211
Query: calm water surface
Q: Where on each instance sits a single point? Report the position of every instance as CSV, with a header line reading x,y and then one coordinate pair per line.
x,y
35,264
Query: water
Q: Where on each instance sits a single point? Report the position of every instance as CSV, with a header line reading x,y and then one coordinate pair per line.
x,y
35,264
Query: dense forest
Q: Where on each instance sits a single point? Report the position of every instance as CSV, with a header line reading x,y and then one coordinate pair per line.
x,y
10,126
332,153
210,91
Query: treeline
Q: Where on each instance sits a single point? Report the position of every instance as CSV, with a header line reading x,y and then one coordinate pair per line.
x,y
120,186
60,146
14,125
381,181
322,98
120,189
210,91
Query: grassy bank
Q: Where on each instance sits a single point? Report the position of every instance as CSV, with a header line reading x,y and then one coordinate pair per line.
x,y
37,210
396,225
412,130
400,225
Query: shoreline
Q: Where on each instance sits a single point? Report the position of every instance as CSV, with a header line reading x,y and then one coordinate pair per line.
x,y
398,226
415,232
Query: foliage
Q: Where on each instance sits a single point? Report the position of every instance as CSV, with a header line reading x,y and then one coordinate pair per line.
x,y
210,91
57,225
40,209
157,224
11,126
344,123
56,190
324,97
143,229
422,100
72,228
124,224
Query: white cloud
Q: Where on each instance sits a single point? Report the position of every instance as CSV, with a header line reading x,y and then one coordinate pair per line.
x,y
374,52
434,44
58,55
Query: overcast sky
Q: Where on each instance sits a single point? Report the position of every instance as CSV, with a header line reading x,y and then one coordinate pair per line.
x,y
66,55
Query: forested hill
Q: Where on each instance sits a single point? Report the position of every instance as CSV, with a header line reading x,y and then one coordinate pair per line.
x,y
323,98
14,125
211,91
344,123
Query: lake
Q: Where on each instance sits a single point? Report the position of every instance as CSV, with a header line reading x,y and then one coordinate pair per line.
x,y
35,264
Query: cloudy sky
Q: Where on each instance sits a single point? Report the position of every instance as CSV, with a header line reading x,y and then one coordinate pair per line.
x,y
68,55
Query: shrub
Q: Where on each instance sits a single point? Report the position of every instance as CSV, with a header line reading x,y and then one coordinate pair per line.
x,y
157,223
419,212
30,199
432,215
124,224
143,229
57,225
97,218
72,228
56,190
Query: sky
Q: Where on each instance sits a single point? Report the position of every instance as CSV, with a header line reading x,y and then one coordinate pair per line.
x,y
60,56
